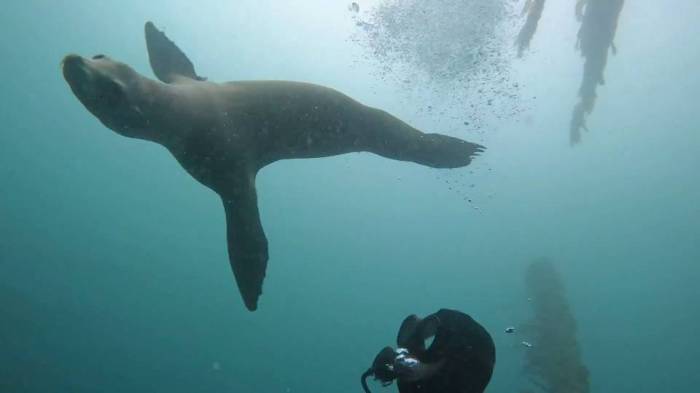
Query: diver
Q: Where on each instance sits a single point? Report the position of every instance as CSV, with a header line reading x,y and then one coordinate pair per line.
x,y
460,358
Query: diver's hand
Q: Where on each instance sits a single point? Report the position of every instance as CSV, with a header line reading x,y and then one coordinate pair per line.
x,y
409,369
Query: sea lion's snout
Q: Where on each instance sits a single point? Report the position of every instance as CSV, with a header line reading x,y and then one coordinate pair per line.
x,y
76,72
72,59
72,64
95,82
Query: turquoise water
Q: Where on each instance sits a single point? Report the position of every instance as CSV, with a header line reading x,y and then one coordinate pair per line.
x,y
114,275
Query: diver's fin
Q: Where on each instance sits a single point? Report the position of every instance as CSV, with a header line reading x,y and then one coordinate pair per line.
x,y
167,60
247,245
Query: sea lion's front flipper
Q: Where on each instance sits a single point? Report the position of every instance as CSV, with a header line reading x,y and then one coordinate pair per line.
x,y
247,245
167,60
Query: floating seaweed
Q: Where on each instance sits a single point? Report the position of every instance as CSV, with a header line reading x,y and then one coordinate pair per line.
x,y
553,362
595,38
533,9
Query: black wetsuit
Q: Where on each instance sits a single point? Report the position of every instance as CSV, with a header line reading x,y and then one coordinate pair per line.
x,y
465,347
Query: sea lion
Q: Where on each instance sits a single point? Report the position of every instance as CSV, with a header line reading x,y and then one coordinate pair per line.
x,y
224,133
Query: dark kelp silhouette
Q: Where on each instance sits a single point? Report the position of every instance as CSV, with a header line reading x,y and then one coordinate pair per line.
x,y
533,9
554,361
595,38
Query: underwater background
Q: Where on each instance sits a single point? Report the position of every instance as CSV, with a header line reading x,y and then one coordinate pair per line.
x,y
114,275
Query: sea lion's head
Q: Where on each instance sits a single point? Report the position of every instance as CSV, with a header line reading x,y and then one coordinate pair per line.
x,y
110,90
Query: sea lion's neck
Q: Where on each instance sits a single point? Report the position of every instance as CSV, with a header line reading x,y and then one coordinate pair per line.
x,y
172,114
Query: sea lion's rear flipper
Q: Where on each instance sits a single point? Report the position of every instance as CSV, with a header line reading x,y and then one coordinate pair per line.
x,y
444,151
386,135
247,245
167,60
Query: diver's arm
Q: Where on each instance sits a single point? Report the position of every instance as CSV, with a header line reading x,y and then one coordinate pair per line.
x,y
414,331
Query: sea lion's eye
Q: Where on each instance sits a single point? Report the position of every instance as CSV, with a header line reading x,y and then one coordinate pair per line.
x,y
97,57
